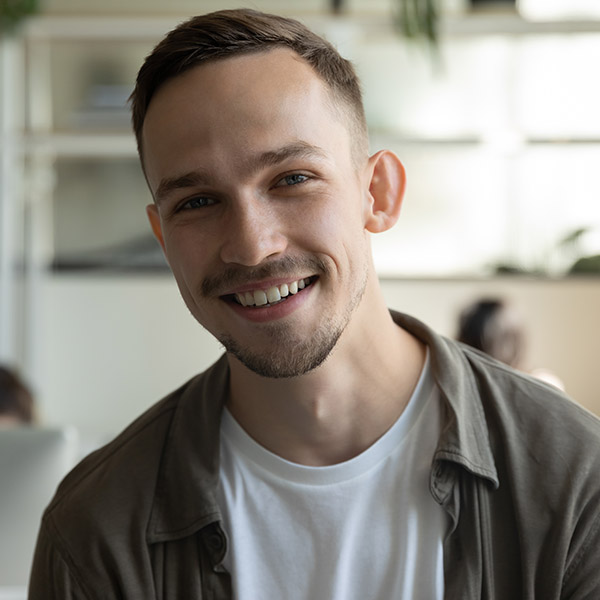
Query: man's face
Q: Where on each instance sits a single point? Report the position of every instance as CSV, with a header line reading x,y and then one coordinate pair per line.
x,y
260,207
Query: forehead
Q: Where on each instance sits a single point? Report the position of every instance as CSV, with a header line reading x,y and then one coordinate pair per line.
x,y
257,79
237,105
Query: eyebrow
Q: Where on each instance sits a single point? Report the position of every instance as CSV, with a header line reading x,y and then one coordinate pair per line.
x,y
172,184
294,150
266,159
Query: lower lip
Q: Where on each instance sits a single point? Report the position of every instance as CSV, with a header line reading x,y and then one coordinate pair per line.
x,y
264,314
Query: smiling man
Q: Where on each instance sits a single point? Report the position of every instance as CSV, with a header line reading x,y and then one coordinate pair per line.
x,y
337,450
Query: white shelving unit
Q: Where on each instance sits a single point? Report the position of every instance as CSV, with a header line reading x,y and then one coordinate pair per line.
x,y
40,143
11,194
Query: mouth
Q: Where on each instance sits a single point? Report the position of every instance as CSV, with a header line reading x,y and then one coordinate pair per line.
x,y
263,298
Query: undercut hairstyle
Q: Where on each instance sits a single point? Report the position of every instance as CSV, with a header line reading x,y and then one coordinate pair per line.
x,y
228,33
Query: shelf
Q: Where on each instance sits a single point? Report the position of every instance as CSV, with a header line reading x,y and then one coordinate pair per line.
x,y
511,24
87,29
474,141
94,145
136,28
84,145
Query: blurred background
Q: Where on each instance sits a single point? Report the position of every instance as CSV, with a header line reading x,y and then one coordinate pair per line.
x,y
492,106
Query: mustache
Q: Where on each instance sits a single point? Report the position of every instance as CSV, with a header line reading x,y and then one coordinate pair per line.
x,y
234,276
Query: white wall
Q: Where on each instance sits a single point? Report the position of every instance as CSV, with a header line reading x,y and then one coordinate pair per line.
x,y
110,346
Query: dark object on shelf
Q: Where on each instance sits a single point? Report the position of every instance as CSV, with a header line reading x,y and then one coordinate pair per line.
x,y
476,3
513,269
588,265
503,269
337,6
142,254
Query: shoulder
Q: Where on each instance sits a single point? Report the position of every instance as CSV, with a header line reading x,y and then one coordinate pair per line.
x,y
545,446
100,516
101,505
114,487
517,401
546,450
486,397
124,467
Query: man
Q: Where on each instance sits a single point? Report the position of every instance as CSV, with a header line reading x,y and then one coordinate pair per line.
x,y
337,450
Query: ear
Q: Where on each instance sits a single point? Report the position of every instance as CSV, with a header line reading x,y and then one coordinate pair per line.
x,y
387,182
154,218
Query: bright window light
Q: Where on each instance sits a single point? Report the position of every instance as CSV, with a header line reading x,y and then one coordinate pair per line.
x,y
553,10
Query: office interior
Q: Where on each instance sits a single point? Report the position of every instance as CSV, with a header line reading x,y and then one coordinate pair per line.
x,y
496,121
497,125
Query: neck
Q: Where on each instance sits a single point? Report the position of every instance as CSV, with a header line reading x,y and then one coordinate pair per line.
x,y
339,409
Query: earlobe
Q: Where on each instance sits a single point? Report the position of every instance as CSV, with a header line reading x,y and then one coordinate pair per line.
x,y
154,218
386,191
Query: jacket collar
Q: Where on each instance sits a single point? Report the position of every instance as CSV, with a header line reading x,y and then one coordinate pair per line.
x,y
465,437
186,488
188,478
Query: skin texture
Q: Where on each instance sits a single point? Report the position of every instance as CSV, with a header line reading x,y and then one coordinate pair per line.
x,y
256,184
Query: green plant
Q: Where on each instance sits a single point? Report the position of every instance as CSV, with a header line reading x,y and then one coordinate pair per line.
x,y
415,19
418,19
12,12
586,265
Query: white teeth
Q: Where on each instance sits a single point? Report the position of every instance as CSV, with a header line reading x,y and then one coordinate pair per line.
x,y
272,295
260,298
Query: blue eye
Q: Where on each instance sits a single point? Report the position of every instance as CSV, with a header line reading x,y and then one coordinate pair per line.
x,y
293,179
196,202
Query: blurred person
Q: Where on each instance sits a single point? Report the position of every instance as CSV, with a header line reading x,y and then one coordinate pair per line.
x,y
337,449
16,399
495,327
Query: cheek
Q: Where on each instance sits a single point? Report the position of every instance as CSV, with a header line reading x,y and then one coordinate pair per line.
x,y
338,234
336,214
186,245
188,259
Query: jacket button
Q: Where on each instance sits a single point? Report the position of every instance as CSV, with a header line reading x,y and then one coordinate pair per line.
x,y
215,542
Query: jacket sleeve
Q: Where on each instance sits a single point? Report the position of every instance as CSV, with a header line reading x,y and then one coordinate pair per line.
x,y
51,577
582,576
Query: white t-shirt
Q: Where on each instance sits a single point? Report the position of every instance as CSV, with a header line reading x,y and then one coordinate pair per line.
x,y
365,529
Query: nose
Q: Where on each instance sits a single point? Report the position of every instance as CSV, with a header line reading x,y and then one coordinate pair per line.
x,y
253,232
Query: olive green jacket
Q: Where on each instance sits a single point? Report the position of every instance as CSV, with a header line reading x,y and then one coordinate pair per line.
x,y
517,469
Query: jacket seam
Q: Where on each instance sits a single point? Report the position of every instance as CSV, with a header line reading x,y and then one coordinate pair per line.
x,y
60,547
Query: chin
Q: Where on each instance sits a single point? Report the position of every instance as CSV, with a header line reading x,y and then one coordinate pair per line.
x,y
300,359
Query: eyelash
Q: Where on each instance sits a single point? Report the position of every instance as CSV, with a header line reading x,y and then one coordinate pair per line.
x,y
304,177
206,201
185,205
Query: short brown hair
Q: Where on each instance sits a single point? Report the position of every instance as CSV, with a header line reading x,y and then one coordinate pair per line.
x,y
226,33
